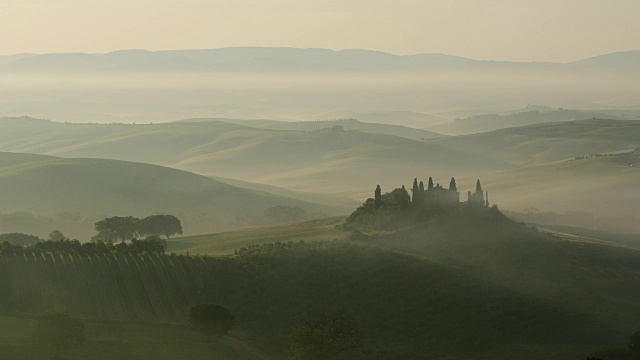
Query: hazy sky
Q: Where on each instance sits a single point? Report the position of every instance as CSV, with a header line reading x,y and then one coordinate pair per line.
x,y
521,30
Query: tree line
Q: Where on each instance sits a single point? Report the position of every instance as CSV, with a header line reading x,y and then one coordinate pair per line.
x,y
143,236
149,245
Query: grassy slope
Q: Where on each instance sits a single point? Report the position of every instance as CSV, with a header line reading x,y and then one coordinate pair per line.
x,y
582,285
603,185
593,278
484,123
549,142
346,205
597,236
350,124
44,184
226,243
126,341
482,288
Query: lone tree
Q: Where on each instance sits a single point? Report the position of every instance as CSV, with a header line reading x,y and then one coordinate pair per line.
x,y
156,225
322,337
117,228
210,319
60,330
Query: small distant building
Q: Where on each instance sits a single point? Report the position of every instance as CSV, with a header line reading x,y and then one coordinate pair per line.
x,y
436,198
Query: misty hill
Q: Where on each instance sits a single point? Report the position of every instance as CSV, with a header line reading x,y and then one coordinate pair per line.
x,y
622,59
549,142
346,124
604,186
95,187
332,161
276,60
339,203
489,122
234,60
291,84
407,118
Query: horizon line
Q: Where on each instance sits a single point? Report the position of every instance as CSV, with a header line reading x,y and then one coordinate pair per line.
x,y
311,48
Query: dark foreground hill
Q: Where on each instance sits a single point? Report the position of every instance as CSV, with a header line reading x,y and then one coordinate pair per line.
x,y
468,286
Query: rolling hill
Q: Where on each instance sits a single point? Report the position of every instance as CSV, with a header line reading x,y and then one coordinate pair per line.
x,y
95,187
549,142
530,116
605,186
320,161
491,289
106,340
347,124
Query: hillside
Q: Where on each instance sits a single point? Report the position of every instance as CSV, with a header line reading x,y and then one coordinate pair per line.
x,y
590,278
325,125
604,186
94,187
549,142
530,116
348,124
407,118
405,306
337,162
126,341
473,284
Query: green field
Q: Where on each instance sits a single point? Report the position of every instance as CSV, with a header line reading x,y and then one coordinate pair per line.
x,y
106,287
227,242
470,285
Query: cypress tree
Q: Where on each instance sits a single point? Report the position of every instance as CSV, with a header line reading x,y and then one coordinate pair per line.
x,y
378,197
415,192
452,185
430,185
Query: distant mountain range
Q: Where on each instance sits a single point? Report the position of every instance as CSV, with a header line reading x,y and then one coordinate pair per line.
x,y
247,59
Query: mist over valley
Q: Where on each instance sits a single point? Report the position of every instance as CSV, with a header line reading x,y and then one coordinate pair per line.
x,y
468,191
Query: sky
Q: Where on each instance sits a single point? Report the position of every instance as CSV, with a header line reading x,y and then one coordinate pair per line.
x,y
512,30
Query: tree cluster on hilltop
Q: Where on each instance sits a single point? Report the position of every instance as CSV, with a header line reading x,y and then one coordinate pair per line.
x,y
397,208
